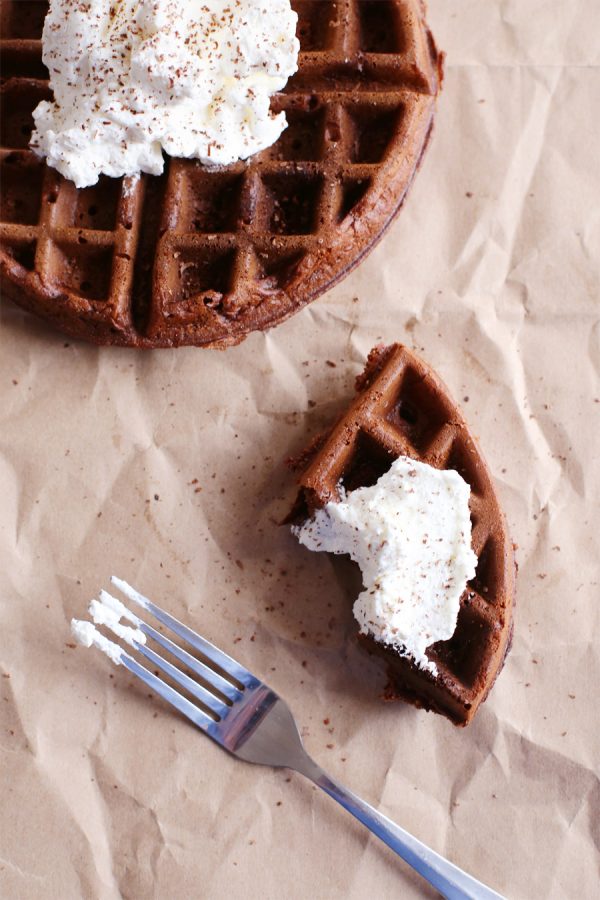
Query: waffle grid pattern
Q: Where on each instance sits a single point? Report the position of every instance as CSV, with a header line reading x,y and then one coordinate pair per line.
x,y
403,409
206,255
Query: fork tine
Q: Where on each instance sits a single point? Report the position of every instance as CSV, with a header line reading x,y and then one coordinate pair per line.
x,y
98,609
216,656
192,712
217,681
201,693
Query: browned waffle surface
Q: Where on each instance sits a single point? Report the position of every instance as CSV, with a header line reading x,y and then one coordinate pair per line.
x,y
403,408
205,256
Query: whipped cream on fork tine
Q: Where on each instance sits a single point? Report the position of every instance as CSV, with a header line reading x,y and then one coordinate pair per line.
x,y
135,77
108,611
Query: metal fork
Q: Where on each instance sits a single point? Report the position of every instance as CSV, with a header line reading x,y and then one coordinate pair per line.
x,y
252,722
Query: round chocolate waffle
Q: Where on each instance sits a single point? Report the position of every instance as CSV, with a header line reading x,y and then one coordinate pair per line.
x,y
205,256
404,409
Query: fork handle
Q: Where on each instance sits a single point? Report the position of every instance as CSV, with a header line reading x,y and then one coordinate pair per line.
x,y
448,879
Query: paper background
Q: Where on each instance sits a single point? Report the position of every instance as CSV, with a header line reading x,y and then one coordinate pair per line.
x,y
492,273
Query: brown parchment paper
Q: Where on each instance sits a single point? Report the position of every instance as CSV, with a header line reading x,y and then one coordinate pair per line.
x,y
166,468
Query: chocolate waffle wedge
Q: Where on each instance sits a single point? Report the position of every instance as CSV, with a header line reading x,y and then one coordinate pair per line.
x,y
403,409
205,256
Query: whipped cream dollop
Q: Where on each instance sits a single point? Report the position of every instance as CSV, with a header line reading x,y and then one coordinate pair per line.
x,y
132,78
410,533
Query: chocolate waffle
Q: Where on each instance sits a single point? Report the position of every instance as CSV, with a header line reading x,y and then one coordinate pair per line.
x,y
403,409
205,256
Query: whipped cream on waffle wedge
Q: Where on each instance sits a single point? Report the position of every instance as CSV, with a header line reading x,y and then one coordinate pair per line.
x,y
410,533
134,78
